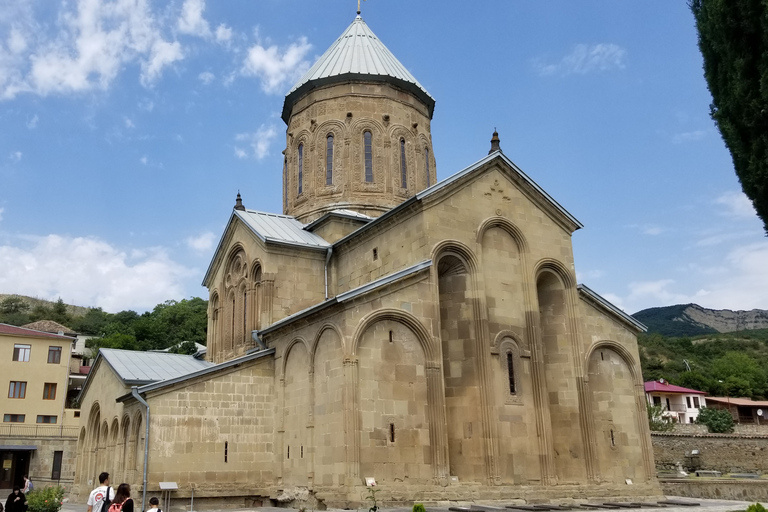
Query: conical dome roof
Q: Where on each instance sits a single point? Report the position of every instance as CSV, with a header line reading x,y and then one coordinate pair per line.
x,y
356,55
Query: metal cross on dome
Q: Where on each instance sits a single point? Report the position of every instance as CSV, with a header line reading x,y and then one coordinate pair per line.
x,y
358,6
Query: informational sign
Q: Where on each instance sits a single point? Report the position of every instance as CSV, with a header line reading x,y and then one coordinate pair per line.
x,y
7,463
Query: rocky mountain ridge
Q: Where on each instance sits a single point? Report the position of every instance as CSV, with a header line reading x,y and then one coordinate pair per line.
x,y
692,319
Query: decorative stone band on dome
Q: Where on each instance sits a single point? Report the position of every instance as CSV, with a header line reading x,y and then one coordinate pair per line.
x,y
356,55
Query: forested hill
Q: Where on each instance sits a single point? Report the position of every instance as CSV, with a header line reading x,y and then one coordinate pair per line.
x,y
693,320
722,364
168,325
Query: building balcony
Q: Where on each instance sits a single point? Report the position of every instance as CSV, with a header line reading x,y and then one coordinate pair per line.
x,y
31,431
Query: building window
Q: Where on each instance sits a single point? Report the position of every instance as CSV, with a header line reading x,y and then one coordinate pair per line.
x,y
17,389
329,160
511,373
54,355
46,419
696,402
688,401
368,145
426,164
49,391
301,168
403,170
13,418
657,401
285,182
21,352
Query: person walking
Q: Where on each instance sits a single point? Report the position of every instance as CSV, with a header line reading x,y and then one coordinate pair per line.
x,y
123,501
27,485
101,495
16,501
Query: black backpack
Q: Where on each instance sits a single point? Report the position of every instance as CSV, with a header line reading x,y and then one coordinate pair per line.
x,y
107,501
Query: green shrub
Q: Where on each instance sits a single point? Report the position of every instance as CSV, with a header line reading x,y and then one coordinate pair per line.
x,y
718,421
656,419
418,507
756,507
47,499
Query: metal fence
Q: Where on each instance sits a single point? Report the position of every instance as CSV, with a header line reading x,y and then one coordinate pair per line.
x,y
38,431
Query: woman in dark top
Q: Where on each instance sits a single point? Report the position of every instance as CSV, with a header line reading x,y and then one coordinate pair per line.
x,y
123,498
16,501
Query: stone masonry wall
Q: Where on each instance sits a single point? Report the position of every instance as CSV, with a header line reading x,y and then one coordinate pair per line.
x,y
727,453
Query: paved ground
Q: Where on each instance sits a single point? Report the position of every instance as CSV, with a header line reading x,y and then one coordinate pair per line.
x,y
706,506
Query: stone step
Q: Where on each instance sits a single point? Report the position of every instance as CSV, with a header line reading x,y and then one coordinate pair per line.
x,y
459,509
680,503
598,506
619,504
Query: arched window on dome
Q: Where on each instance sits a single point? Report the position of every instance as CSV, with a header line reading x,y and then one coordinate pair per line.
x,y
329,160
403,169
368,146
426,164
285,182
301,168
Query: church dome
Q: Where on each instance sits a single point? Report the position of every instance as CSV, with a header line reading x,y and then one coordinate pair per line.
x,y
357,54
358,132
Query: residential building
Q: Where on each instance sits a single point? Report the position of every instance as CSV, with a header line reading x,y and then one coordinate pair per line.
x,y
680,404
38,433
743,410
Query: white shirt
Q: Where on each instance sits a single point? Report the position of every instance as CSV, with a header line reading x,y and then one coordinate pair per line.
x,y
96,498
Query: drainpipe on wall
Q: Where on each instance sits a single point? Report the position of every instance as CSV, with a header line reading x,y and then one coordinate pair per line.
x,y
259,341
137,396
327,259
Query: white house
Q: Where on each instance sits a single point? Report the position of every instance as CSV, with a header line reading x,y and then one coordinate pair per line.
x,y
680,404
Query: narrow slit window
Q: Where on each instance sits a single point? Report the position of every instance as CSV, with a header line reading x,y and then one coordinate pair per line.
x,y
302,451
602,357
426,164
329,160
403,169
375,253
511,373
368,146
288,455
301,168
391,337
245,314
613,439
226,450
391,432
285,184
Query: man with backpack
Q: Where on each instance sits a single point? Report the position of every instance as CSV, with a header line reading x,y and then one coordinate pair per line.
x,y
101,497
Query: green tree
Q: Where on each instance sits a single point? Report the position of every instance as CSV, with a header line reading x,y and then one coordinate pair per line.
x,y
718,421
733,39
13,304
738,369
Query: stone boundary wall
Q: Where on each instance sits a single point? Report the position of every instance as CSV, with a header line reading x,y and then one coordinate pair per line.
x,y
727,453
740,490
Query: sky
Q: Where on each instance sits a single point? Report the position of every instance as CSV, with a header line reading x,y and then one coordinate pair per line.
x,y
127,127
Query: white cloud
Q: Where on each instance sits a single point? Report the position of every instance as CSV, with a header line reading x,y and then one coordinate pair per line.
x,y
652,230
91,272
32,123
679,138
259,141
191,20
739,281
15,156
163,54
223,33
275,68
202,243
585,59
589,274
206,77
2,210
129,123
147,105
90,43
143,160
736,204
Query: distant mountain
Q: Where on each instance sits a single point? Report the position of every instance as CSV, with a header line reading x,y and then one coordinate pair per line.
x,y
692,320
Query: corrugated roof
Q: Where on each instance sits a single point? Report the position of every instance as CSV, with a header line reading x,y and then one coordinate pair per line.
x,y
12,330
135,367
357,54
666,387
346,214
284,229
744,402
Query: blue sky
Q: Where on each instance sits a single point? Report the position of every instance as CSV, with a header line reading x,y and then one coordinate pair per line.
x,y
128,126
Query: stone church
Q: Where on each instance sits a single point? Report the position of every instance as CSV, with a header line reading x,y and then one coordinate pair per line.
x,y
428,335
